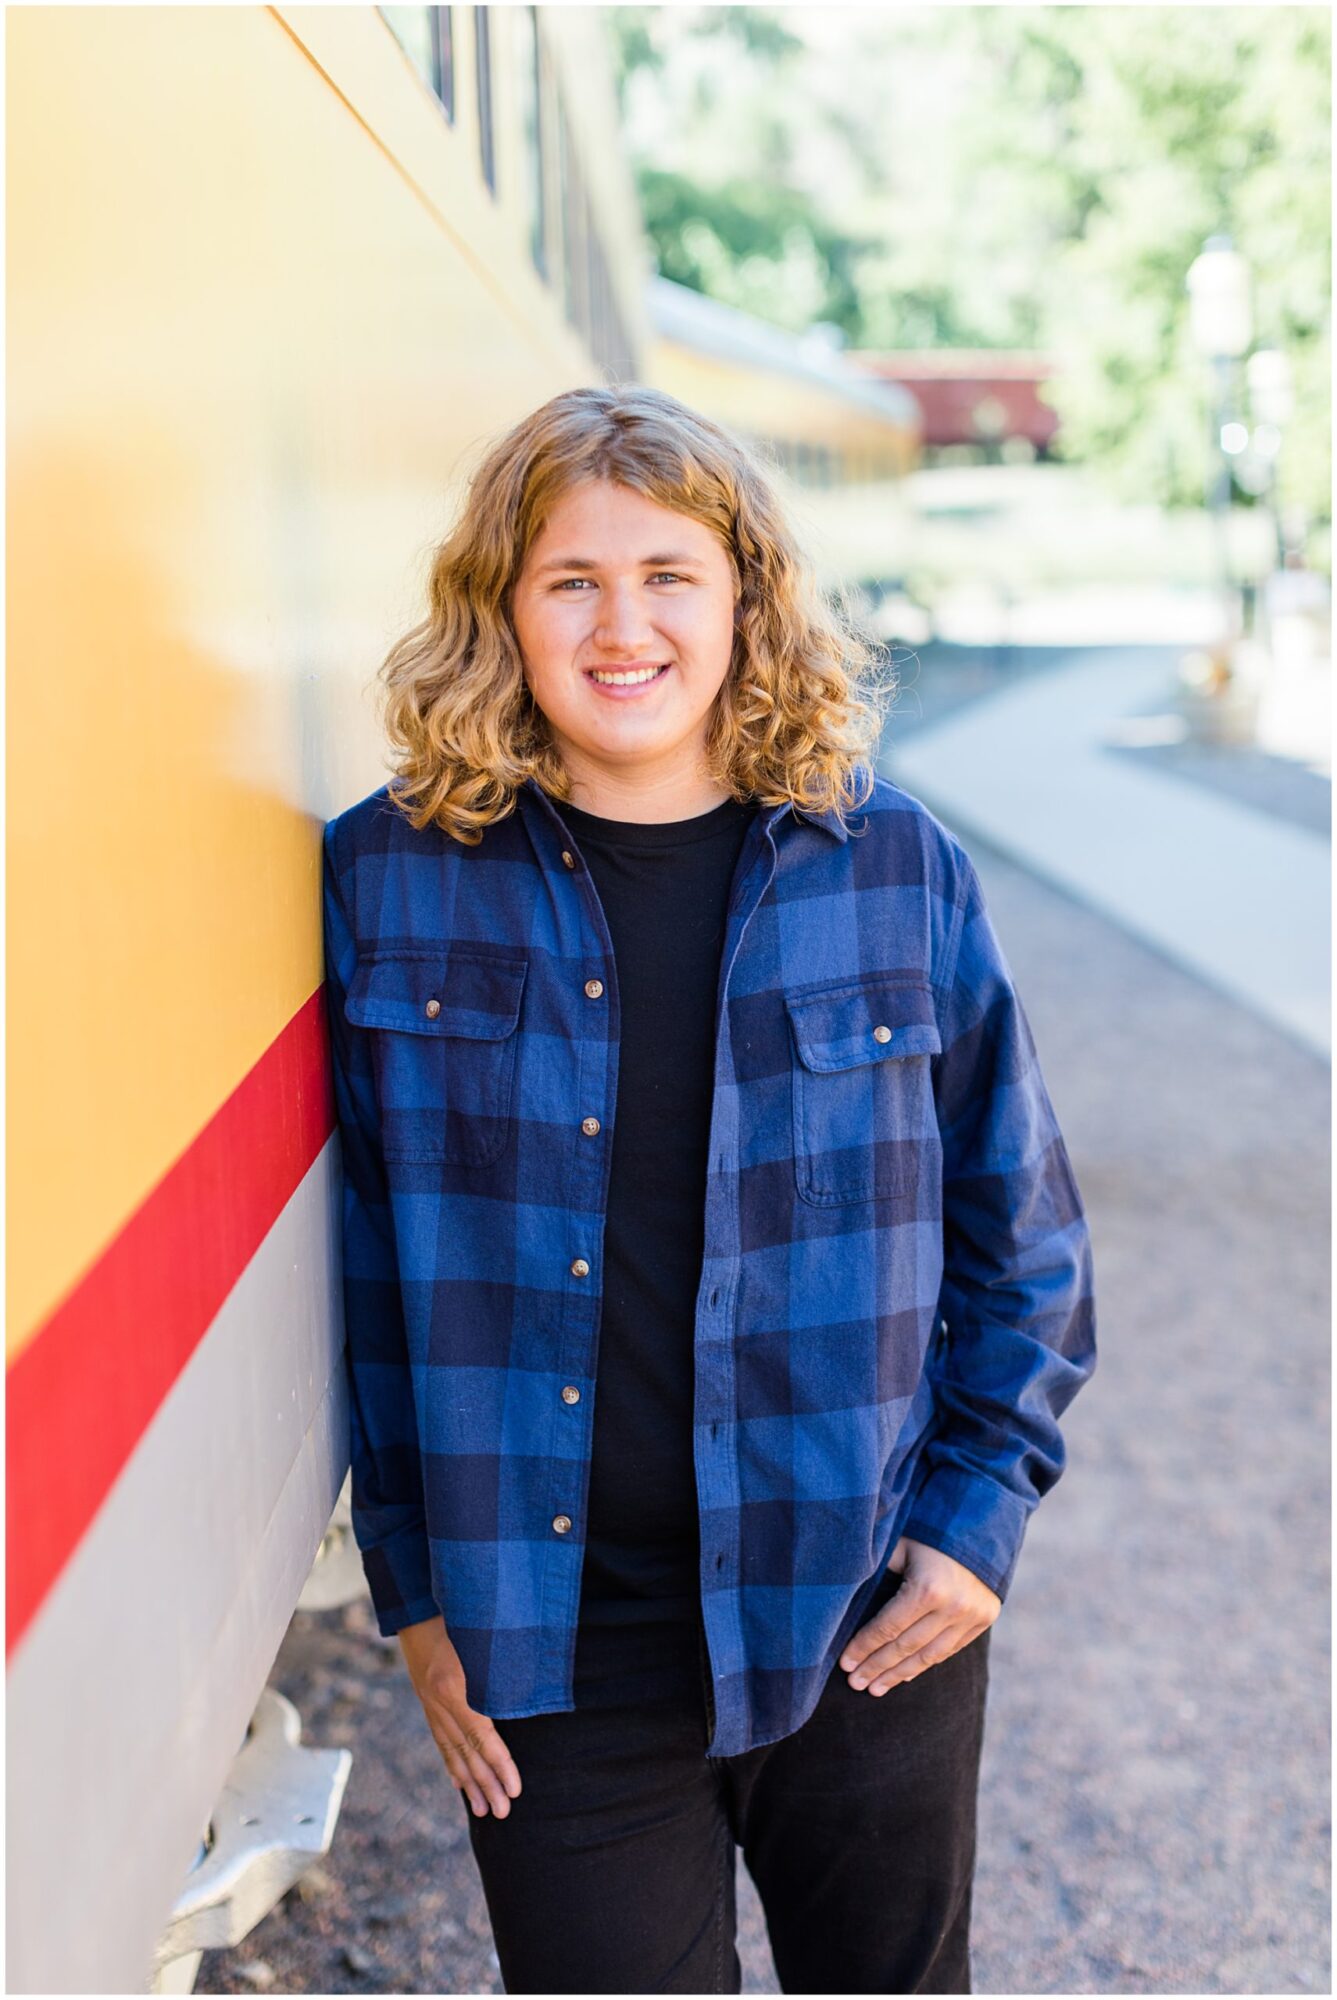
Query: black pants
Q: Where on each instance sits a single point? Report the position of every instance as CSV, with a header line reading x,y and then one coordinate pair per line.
x,y
614,1870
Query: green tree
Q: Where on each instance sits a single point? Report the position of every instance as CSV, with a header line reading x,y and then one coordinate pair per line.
x,y
1173,124
1037,177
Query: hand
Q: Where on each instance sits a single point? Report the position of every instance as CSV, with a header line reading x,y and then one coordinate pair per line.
x,y
940,1607
478,1761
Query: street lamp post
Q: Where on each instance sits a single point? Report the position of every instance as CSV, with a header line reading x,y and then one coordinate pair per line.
x,y
1271,404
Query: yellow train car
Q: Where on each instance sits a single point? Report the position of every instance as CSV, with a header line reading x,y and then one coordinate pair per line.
x,y
820,419
274,275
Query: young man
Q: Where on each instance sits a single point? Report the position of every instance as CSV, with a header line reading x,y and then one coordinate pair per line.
x,y
715,1273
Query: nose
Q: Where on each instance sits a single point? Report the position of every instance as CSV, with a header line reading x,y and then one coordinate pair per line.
x,y
623,628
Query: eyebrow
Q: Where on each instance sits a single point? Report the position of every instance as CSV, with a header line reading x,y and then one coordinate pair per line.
x,y
584,562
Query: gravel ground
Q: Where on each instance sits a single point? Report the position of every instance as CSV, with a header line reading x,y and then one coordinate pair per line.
x,y
1155,1787
1155,1790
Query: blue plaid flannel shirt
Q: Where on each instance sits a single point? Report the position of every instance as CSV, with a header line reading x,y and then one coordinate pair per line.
x,y
895,1304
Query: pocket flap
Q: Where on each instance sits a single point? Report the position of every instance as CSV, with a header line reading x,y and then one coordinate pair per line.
x,y
837,1028
452,992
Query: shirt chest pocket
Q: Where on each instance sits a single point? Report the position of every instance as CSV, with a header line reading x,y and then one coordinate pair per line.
x,y
862,1087
443,1040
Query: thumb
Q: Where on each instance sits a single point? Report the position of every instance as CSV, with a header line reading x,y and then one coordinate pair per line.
x,y
900,1556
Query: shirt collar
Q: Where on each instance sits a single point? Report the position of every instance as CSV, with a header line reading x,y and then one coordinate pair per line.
x,y
830,819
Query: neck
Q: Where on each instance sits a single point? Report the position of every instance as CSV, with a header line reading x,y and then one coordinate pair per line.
x,y
649,801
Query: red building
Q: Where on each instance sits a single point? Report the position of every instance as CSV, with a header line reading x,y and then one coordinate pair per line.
x,y
977,396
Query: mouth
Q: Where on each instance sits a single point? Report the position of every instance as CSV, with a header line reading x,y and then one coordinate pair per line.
x,y
625,683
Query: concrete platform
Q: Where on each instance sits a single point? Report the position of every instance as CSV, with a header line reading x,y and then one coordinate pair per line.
x,y
1232,893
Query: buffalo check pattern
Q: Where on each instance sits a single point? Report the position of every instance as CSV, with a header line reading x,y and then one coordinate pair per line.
x,y
895,1303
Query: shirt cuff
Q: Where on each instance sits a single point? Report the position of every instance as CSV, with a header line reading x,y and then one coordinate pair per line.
x,y
972,1518
399,1577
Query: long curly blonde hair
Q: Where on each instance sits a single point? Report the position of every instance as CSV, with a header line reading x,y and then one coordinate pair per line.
x,y
800,710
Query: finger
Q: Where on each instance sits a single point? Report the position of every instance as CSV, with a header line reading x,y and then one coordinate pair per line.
x,y
892,1651
890,1630
495,1764
904,1610
487,1780
455,1741
865,1641
470,1743
503,1764
493,1790
461,1780
909,1670
928,1656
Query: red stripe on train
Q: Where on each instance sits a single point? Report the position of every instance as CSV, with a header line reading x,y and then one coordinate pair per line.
x,y
84,1390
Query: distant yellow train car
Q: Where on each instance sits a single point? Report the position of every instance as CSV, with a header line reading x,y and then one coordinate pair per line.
x,y
274,275
840,442
823,421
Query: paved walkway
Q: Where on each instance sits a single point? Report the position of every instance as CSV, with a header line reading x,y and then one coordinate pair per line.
x,y
1236,894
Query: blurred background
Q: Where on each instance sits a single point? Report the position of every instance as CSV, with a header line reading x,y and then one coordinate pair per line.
x,y
1029,310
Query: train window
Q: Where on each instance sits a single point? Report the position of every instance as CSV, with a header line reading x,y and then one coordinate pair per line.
x,y
594,279
423,33
445,42
590,301
483,60
573,239
531,133
412,29
550,118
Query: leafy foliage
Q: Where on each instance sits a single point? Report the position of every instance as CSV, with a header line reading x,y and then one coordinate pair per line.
x,y
1034,177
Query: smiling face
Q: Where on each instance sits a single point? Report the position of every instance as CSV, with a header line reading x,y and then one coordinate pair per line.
x,y
615,584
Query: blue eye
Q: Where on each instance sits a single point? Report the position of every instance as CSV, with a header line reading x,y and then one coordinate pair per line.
x,y
665,575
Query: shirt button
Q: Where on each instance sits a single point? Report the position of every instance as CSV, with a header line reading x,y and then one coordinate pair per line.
x,y
570,1394
433,1009
561,1523
593,988
569,859
882,1034
589,1126
580,1269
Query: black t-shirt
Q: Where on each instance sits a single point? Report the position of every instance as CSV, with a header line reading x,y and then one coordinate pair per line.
x,y
664,889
